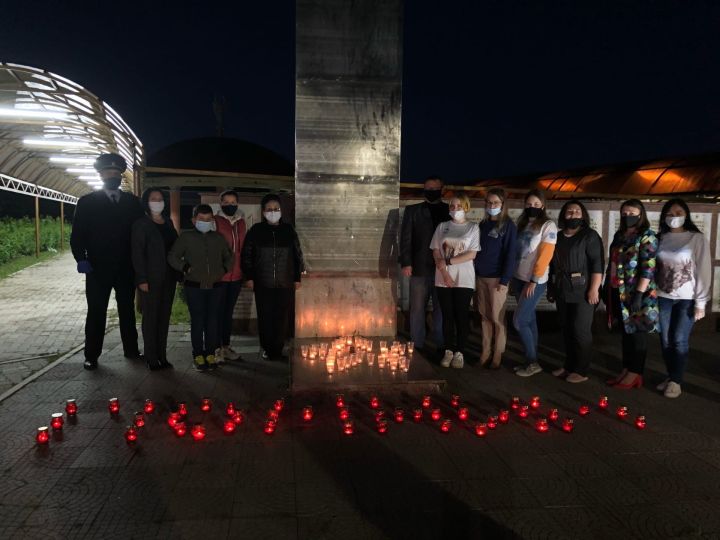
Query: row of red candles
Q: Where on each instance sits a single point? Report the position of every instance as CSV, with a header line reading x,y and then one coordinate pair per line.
x,y
176,419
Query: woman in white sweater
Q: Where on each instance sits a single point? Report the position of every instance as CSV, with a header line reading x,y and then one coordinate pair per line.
x,y
683,280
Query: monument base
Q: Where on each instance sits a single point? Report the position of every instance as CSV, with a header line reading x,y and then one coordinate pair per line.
x,y
308,375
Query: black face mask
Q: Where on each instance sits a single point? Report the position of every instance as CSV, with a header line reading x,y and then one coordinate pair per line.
x,y
432,195
113,182
533,212
229,209
574,223
630,221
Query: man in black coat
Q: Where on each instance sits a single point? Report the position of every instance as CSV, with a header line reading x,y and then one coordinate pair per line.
x,y
416,259
100,243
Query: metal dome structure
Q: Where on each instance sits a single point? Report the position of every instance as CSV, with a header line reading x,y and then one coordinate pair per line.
x,y
51,130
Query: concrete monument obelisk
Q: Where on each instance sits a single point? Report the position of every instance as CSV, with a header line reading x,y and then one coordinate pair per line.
x,y
347,152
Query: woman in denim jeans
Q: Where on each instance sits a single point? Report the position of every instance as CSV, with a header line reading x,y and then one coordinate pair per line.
x,y
683,279
537,236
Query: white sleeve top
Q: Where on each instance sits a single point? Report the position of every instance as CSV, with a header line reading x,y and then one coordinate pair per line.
x,y
684,269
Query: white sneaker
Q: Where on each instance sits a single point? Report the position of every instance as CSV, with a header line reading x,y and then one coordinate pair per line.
x,y
445,362
672,390
458,361
529,371
229,354
219,358
559,372
663,385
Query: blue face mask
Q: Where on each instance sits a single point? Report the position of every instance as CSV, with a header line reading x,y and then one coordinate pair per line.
x,y
203,226
493,211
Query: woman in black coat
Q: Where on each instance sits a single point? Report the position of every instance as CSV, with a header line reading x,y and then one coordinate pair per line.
x,y
272,263
152,237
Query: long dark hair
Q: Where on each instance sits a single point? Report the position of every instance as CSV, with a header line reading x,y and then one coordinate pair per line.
x,y
688,225
145,199
539,221
583,211
643,224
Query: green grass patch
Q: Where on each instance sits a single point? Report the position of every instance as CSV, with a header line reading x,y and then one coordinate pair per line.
x,y
18,263
180,313
17,237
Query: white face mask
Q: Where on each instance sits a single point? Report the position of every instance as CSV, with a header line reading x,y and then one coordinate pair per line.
x,y
457,215
204,226
674,222
156,207
493,211
272,216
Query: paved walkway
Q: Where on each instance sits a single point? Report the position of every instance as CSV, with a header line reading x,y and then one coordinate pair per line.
x,y
42,317
309,481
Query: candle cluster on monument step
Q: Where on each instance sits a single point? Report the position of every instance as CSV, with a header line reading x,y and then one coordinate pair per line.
x,y
344,354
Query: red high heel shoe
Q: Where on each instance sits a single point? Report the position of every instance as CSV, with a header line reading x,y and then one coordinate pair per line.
x,y
636,383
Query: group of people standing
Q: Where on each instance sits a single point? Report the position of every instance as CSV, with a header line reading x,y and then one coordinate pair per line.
x,y
125,243
653,282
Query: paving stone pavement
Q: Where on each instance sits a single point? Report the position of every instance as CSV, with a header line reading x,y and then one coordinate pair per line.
x,y
309,481
42,317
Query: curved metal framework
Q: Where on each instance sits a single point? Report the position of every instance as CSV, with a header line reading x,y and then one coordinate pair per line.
x,y
51,130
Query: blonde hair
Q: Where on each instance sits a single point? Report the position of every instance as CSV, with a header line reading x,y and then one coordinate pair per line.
x,y
464,200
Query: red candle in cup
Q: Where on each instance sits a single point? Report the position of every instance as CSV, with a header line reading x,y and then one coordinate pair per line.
x,y
173,419
131,434
230,408
603,402
114,405
426,402
43,435
436,414
622,412
198,432
504,416
270,425
418,415
71,407
584,410
640,422
348,427
492,422
481,429
344,413
279,404
568,425
307,413
553,415
229,427
455,401
180,429
445,425
273,415
206,405
399,415
382,425
237,418
542,425
182,409
524,411
515,403
149,406
379,415
56,421
535,402
139,420
339,401
374,402
463,413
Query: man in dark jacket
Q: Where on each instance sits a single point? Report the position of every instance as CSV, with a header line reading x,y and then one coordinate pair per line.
x,y
272,262
100,243
416,259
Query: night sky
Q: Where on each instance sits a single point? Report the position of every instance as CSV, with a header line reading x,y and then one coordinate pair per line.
x,y
491,88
